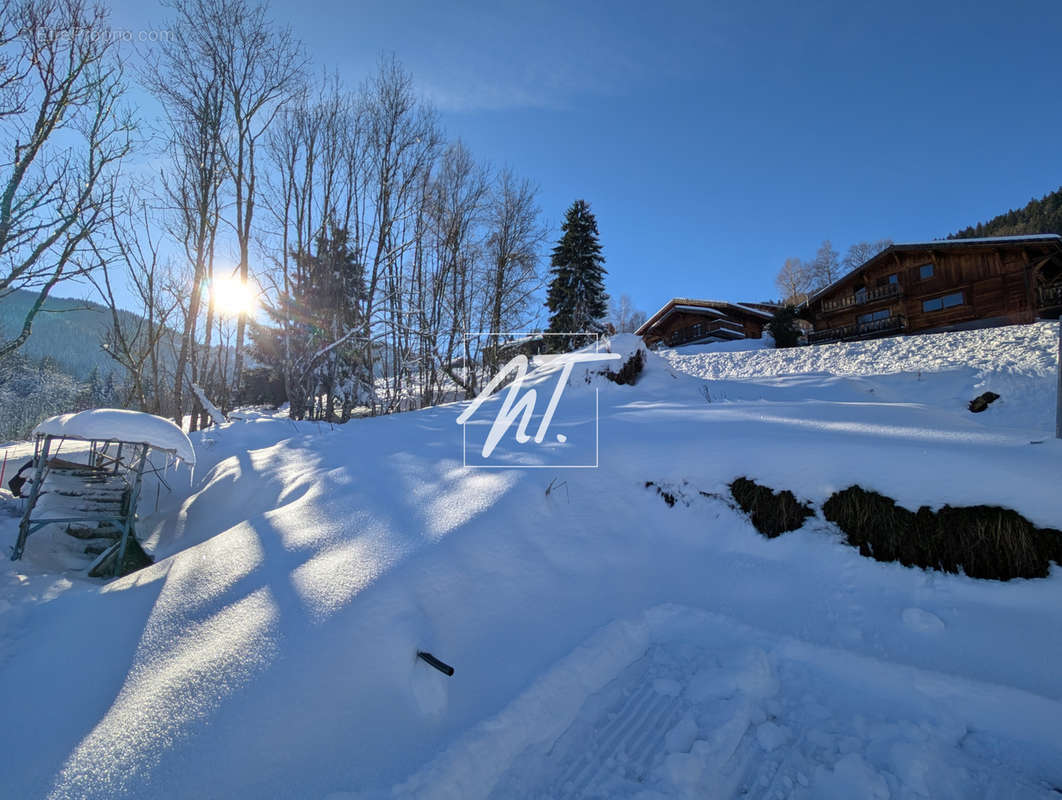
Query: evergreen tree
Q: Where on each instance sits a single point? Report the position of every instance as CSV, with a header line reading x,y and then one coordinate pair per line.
x,y
323,304
1038,216
783,327
576,299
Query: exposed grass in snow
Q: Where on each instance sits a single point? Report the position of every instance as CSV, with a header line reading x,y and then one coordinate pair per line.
x,y
981,541
771,513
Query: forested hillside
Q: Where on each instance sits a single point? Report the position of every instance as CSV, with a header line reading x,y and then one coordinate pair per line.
x,y
71,332
1039,216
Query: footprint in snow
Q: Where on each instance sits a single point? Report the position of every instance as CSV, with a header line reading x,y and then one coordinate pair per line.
x,y
922,621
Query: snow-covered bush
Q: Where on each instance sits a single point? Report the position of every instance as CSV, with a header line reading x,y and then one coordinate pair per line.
x,y
629,372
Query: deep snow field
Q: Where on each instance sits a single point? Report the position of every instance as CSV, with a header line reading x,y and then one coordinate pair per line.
x,y
605,644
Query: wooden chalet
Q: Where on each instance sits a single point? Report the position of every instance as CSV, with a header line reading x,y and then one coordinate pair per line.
x,y
685,321
942,285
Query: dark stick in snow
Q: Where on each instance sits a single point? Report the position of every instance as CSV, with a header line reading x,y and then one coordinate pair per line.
x,y
445,669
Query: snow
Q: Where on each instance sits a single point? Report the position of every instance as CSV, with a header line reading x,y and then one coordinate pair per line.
x,y
212,410
983,239
731,346
118,425
752,310
704,309
605,645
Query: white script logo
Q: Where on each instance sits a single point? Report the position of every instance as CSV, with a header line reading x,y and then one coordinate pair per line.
x,y
525,406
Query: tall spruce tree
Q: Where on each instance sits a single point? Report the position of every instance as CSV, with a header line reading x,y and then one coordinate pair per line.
x,y
576,299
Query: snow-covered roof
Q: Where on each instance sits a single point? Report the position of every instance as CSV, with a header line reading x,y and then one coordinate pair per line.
x,y
754,310
981,240
716,307
119,425
705,309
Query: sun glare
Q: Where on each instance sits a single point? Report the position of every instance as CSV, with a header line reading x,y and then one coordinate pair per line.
x,y
233,297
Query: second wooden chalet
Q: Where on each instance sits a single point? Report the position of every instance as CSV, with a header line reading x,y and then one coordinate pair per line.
x,y
685,321
942,285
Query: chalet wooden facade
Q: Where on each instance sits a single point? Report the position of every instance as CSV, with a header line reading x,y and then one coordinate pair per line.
x,y
942,285
685,321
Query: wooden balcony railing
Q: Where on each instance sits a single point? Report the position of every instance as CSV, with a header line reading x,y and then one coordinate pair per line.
x,y
869,296
887,325
1050,296
720,328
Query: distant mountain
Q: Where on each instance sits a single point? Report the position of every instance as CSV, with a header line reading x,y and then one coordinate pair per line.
x,y
1039,216
71,332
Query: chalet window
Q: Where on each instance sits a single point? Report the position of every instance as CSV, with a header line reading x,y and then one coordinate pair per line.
x,y
873,316
861,294
925,271
940,303
674,337
894,278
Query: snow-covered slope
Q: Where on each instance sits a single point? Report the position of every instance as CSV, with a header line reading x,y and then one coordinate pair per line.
x,y
605,645
945,370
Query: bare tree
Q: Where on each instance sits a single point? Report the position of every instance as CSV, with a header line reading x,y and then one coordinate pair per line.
x,y
861,252
262,69
457,203
130,257
624,317
826,268
188,78
515,234
794,280
401,139
60,85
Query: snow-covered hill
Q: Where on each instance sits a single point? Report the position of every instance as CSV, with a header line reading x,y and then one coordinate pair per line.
x,y
605,644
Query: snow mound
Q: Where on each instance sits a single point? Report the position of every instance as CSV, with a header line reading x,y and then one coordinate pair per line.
x,y
943,370
118,425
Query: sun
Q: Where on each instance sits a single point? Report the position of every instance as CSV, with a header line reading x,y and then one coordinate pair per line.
x,y
233,297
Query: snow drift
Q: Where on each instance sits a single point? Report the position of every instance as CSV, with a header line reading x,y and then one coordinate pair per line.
x,y
604,643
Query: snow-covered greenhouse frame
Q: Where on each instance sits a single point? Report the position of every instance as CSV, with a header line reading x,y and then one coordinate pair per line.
x,y
119,445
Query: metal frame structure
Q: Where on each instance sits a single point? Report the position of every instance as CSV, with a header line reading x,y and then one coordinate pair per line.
x,y
101,462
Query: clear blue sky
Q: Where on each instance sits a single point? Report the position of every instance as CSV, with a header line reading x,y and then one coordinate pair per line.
x,y
713,140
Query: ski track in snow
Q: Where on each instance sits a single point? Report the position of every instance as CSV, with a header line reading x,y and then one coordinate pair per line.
x,y
606,645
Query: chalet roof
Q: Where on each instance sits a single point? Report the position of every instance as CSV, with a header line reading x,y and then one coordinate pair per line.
x,y
986,242
719,308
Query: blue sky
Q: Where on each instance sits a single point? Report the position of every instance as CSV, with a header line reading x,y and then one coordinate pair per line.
x,y
714,140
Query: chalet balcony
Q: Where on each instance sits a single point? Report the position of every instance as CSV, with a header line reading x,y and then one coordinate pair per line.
x,y
1050,296
858,331
885,292
714,330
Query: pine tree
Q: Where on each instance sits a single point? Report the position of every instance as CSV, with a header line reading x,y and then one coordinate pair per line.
x,y
783,327
322,306
576,299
